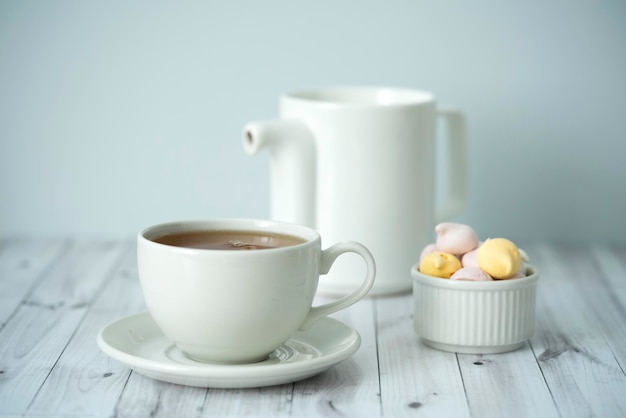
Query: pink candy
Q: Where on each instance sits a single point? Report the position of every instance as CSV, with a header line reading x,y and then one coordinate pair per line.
x,y
470,273
455,238
470,259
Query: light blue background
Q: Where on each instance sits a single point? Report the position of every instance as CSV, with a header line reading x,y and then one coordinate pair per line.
x,y
118,114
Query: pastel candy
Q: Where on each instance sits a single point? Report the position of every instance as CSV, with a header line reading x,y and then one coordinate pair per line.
x,y
470,259
455,238
499,257
440,264
470,273
430,248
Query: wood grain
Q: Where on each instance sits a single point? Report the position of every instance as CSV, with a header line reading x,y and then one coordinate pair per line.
x,y
39,331
571,343
414,379
57,294
91,382
22,264
516,379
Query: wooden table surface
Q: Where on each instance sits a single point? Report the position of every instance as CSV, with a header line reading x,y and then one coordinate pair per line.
x,y
55,295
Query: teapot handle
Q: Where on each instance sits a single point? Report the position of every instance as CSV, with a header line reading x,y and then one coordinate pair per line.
x,y
457,162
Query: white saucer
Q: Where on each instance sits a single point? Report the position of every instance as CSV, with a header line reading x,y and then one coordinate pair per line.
x,y
137,342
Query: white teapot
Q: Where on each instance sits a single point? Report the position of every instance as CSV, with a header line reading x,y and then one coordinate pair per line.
x,y
359,163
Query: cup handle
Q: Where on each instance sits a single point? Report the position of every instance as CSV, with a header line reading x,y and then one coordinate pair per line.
x,y
329,256
457,161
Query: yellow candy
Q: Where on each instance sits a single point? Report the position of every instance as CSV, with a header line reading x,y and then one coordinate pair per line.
x,y
440,264
499,257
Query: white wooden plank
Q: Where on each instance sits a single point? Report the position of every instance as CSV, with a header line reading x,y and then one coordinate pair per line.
x,y
611,260
22,263
84,381
415,380
570,343
506,385
274,401
34,338
145,397
605,269
350,388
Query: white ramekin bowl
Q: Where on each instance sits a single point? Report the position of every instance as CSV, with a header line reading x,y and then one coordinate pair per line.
x,y
474,317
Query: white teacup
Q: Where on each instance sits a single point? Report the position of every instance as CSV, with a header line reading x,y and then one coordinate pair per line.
x,y
237,306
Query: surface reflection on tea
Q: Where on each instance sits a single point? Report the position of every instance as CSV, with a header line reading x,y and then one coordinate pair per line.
x,y
228,240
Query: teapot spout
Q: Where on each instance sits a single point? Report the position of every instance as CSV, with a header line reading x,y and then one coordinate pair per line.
x,y
292,168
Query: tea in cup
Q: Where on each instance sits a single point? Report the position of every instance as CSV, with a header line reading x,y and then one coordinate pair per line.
x,y
234,290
